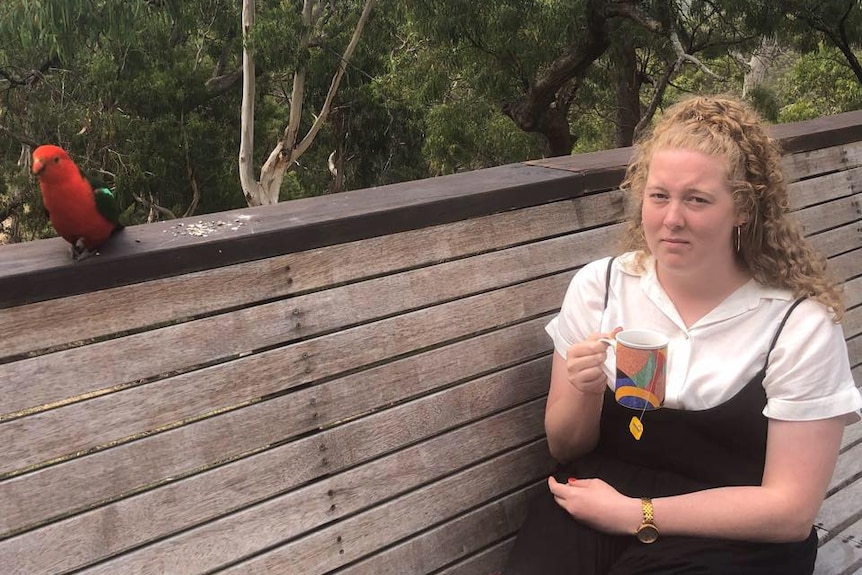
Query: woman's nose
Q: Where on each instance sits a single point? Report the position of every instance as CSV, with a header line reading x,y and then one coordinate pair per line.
x,y
673,216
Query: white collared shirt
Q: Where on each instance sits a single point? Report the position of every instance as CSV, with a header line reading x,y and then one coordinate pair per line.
x,y
808,375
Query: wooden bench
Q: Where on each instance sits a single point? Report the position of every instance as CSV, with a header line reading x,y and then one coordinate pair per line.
x,y
348,384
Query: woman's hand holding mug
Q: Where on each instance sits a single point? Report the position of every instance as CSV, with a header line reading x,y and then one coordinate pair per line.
x,y
584,363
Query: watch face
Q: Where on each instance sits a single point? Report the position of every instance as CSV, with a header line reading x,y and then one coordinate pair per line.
x,y
647,533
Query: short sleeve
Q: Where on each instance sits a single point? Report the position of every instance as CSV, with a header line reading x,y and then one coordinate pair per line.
x,y
583,304
808,375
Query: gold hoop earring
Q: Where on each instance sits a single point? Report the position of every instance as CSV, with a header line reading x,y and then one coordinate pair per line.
x,y
738,238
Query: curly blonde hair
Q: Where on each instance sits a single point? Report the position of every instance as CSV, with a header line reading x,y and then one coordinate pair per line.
x,y
771,247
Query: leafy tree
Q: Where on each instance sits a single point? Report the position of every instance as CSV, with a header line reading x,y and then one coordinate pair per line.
x,y
147,93
314,20
838,21
818,83
537,58
123,87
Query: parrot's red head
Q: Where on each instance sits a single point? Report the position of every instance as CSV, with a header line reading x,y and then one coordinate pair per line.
x,y
51,161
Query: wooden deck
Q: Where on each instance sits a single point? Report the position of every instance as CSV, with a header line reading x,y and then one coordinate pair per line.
x,y
343,385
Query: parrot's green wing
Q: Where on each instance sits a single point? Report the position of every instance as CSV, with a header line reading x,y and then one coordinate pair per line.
x,y
107,205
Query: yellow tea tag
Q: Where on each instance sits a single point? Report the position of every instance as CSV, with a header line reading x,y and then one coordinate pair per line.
x,y
636,427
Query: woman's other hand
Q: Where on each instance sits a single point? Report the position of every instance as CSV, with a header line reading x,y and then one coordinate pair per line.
x,y
597,504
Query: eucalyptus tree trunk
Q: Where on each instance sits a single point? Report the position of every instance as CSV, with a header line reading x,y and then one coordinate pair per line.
x,y
289,148
760,64
250,187
628,86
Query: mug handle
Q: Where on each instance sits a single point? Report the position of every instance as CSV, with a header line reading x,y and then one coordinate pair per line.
x,y
611,342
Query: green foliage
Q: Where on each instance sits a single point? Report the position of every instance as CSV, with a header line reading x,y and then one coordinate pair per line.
x,y
766,103
126,86
121,86
819,83
469,134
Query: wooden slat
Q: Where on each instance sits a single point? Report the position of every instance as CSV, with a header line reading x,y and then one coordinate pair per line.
x,y
852,323
818,133
102,367
854,350
824,188
839,510
852,436
835,241
335,546
72,544
811,147
487,562
842,554
848,469
182,450
847,265
822,161
853,291
451,541
76,318
829,215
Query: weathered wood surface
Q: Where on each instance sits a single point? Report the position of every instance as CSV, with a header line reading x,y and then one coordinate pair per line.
x,y
103,366
78,318
840,519
370,402
37,271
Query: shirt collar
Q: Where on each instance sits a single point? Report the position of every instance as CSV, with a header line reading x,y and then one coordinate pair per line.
x,y
747,297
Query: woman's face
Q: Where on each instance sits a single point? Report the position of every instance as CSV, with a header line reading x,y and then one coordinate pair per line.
x,y
688,213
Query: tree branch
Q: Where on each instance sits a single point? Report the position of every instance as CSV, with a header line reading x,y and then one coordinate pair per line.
x,y
657,97
190,172
631,11
223,83
151,205
336,80
26,140
13,207
683,55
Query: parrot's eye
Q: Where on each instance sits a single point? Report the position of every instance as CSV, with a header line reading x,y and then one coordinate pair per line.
x,y
57,160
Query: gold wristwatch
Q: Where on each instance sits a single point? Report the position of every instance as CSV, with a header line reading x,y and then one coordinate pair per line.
x,y
647,532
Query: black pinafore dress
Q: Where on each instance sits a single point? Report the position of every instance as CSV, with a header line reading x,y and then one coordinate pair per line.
x,y
679,452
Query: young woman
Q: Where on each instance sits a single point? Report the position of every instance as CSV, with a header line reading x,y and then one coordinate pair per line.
x,y
730,473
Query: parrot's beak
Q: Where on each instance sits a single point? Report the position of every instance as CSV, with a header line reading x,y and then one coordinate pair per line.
x,y
37,167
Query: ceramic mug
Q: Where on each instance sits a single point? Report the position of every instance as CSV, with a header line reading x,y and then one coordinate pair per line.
x,y
641,368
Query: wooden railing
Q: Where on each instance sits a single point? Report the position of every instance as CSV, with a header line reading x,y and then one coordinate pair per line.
x,y
345,384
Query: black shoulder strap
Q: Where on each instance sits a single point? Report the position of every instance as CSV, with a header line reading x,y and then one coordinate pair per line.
x,y
781,327
608,281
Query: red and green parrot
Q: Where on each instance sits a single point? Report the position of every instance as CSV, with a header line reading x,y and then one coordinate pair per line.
x,y
83,212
